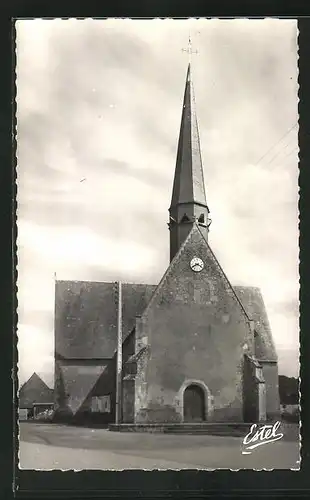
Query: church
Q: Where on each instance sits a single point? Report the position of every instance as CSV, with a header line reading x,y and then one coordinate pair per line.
x,y
192,348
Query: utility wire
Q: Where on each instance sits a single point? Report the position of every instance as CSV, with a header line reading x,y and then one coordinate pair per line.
x,y
274,157
279,152
275,145
293,151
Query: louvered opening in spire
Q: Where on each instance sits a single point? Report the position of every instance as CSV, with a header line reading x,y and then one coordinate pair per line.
x,y
188,186
188,203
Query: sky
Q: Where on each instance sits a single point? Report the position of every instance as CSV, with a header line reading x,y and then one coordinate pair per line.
x,y
98,114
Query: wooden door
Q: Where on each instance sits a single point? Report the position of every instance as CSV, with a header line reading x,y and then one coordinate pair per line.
x,y
194,404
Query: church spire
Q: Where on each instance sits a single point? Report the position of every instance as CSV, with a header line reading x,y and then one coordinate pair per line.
x,y
188,179
188,202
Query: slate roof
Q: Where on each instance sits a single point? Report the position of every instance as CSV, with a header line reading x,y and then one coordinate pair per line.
x,y
34,391
253,303
188,183
135,300
86,316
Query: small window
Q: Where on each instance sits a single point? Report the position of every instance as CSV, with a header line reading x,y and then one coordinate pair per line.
x,y
101,404
201,219
185,218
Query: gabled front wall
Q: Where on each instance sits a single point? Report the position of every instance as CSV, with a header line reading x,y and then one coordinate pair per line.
x,y
34,391
196,330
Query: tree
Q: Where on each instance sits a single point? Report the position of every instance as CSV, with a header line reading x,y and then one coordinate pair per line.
x,y
288,390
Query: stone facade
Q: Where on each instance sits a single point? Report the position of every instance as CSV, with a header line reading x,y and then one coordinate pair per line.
x,y
196,332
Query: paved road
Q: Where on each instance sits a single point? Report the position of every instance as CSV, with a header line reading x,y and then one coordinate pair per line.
x,y
44,446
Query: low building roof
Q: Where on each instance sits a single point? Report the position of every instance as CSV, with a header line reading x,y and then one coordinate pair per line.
x,y
35,390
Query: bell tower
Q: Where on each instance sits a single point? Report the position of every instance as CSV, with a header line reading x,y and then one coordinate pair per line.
x,y
188,202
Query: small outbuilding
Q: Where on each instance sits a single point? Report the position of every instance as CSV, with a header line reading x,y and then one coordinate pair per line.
x,y
34,397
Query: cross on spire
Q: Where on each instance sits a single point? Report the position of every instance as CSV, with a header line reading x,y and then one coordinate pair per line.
x,y
189,50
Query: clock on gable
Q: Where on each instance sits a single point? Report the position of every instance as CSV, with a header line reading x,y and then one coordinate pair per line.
x,y
196,264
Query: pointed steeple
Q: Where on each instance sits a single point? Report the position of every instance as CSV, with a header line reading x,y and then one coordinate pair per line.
x,y
188,179
188,202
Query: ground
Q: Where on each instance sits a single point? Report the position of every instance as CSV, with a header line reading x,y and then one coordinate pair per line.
x,y
46,446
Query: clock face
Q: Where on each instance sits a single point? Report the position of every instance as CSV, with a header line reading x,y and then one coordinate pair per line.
x,y
196,264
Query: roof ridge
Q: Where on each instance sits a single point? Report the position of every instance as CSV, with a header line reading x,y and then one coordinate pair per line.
x,y
84,281
224,274
36,376
137,284
170,267
105,282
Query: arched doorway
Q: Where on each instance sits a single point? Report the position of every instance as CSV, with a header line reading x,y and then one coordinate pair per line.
x,y
194,404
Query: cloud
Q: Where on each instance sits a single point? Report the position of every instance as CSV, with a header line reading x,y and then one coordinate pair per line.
x,y
34,340
284,307
78,246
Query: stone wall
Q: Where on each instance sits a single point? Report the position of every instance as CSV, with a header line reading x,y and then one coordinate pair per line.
x,y
142,348
196,329
62,409
250,392
104,386
128,380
